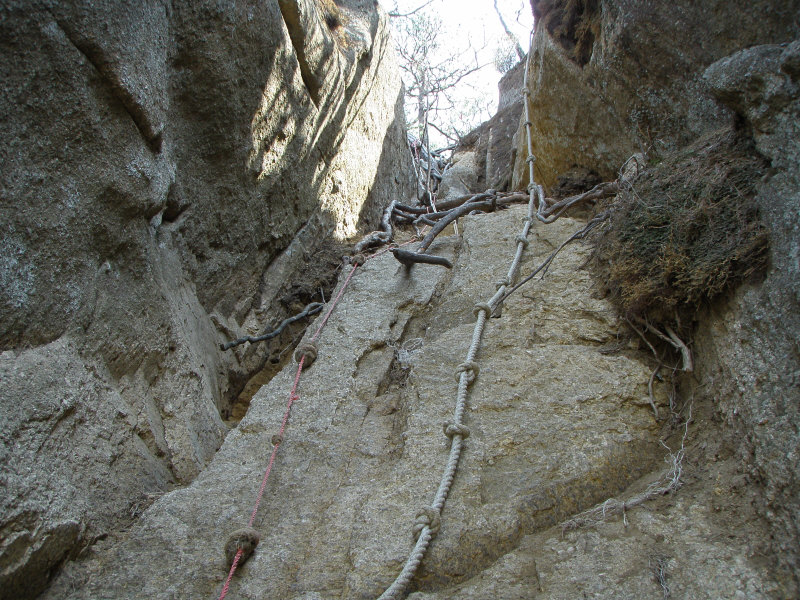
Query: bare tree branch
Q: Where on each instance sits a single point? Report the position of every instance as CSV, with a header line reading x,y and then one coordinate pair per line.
x,y
395,14
509,33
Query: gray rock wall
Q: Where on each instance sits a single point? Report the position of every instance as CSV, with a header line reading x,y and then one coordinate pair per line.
x,y
556,427
750,345
560,421
167,167
609,78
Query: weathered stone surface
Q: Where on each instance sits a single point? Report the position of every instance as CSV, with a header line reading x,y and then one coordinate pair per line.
x,y
461,178
492,141
749,360
746,347
166,169
650,83
705,541
556,426
609,79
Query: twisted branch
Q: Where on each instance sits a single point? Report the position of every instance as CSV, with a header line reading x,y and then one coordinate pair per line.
x,y
309,310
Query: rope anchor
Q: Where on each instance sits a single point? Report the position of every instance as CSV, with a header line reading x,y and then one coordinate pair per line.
x,y
471,368
358,259
242,541
505,282
307,351
482,306
451,429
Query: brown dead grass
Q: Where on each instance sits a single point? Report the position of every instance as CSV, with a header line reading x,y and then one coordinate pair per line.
x,y
686,230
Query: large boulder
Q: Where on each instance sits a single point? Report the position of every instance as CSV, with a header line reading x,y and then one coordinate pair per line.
x,y
167,168
460,178
612,78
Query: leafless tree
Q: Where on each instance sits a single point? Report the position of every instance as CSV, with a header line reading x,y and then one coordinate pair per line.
x,y
431,73
512,38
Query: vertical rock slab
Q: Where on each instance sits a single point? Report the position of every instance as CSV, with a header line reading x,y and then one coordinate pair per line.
x,y
608,79
749,344
493,141
165,172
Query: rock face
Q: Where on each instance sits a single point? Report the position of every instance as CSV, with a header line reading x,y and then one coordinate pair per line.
x,y
750,342
167,167
492,142
611,78
559,418
161,190
556,426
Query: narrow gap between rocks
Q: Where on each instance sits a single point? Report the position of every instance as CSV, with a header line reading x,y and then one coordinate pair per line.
x,y
315,283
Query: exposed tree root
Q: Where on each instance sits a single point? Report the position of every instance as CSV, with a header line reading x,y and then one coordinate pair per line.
x,y
310,309
668,482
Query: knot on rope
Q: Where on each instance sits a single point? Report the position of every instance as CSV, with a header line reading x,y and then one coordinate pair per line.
x,y
277,439
528,124
246,540
427,517
526,92
505,281
531,159
469,367
308,351
521,239
450,429
531,187
358,259
482,306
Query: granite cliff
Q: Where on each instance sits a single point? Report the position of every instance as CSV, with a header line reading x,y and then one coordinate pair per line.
x,y
167,168
168,192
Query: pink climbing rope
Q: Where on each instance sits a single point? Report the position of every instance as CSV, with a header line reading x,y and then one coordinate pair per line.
x,y
293,396
333,304
230,574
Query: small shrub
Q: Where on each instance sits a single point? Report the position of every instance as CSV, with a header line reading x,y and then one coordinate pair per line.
x,y
686,230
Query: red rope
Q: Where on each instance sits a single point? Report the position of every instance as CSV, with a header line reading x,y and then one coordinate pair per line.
x,y
230,574
333,304
293,396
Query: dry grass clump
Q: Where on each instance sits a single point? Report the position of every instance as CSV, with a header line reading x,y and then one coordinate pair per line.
x,y
685,230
